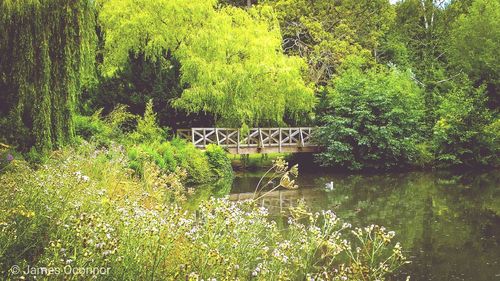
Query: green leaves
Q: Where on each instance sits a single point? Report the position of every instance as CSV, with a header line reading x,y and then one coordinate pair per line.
x,y
373,120
48,54
326,32
231,61
149,26
465,133
474,42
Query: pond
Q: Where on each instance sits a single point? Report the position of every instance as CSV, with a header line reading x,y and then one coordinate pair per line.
x,y
449,223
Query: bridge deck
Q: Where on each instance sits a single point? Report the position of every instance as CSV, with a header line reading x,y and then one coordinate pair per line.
x,y
257,140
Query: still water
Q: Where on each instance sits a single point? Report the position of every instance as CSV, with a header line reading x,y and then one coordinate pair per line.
x,y
449,223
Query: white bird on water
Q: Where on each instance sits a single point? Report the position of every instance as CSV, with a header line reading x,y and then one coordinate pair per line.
x,y
329,185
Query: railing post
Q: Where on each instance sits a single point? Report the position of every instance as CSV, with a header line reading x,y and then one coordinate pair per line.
x,y
238,142
204,138
217,135
192,136
301,144
280,139
261,142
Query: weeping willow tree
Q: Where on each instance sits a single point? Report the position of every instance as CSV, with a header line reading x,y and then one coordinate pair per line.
x,y
47,52
232,63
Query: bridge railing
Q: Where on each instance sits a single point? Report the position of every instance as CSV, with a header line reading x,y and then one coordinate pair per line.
x,y
256,138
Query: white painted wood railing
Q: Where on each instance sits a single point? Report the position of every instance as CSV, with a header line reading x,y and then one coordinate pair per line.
x,y
258,139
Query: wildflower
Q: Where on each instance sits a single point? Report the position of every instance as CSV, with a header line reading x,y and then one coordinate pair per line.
x,y
346,225
9,157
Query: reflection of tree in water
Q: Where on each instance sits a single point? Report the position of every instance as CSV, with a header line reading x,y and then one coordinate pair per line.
x,y
450,223
219,188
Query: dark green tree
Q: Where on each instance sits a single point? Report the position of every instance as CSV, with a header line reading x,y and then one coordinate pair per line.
x,y
372,120
140,80
47,54
473,46
465,134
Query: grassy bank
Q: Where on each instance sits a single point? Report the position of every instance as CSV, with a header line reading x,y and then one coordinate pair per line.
x,y
86,208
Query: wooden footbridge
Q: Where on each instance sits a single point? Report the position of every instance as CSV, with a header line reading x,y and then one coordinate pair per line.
x,y
256,140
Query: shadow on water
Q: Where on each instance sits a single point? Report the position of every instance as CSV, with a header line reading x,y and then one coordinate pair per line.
x,y
448,222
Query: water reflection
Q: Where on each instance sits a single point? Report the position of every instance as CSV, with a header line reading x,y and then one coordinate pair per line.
x,y
450,223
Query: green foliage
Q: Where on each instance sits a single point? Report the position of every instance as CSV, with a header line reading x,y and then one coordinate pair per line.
x,y
145,143
114,127
90,126
466,133
373,120
218,160
47,51
138,81
326,32
473,44
421,31
193,160
231,60
7,155
236,76
169,156
147,130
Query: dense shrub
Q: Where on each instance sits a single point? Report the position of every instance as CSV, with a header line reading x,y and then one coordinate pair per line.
x,y
90,126
219,161
466,133
169,156
147,130
372,120
192,159
114,127
145,141
85,209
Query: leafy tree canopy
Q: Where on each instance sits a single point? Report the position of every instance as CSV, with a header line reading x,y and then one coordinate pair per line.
x,y
373,119
467,133
47,51
232,65
473,45
326,32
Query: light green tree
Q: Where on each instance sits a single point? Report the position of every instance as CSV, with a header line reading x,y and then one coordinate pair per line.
x,y
232,64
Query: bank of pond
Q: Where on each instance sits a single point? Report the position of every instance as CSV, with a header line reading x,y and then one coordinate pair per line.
x,y
93,205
